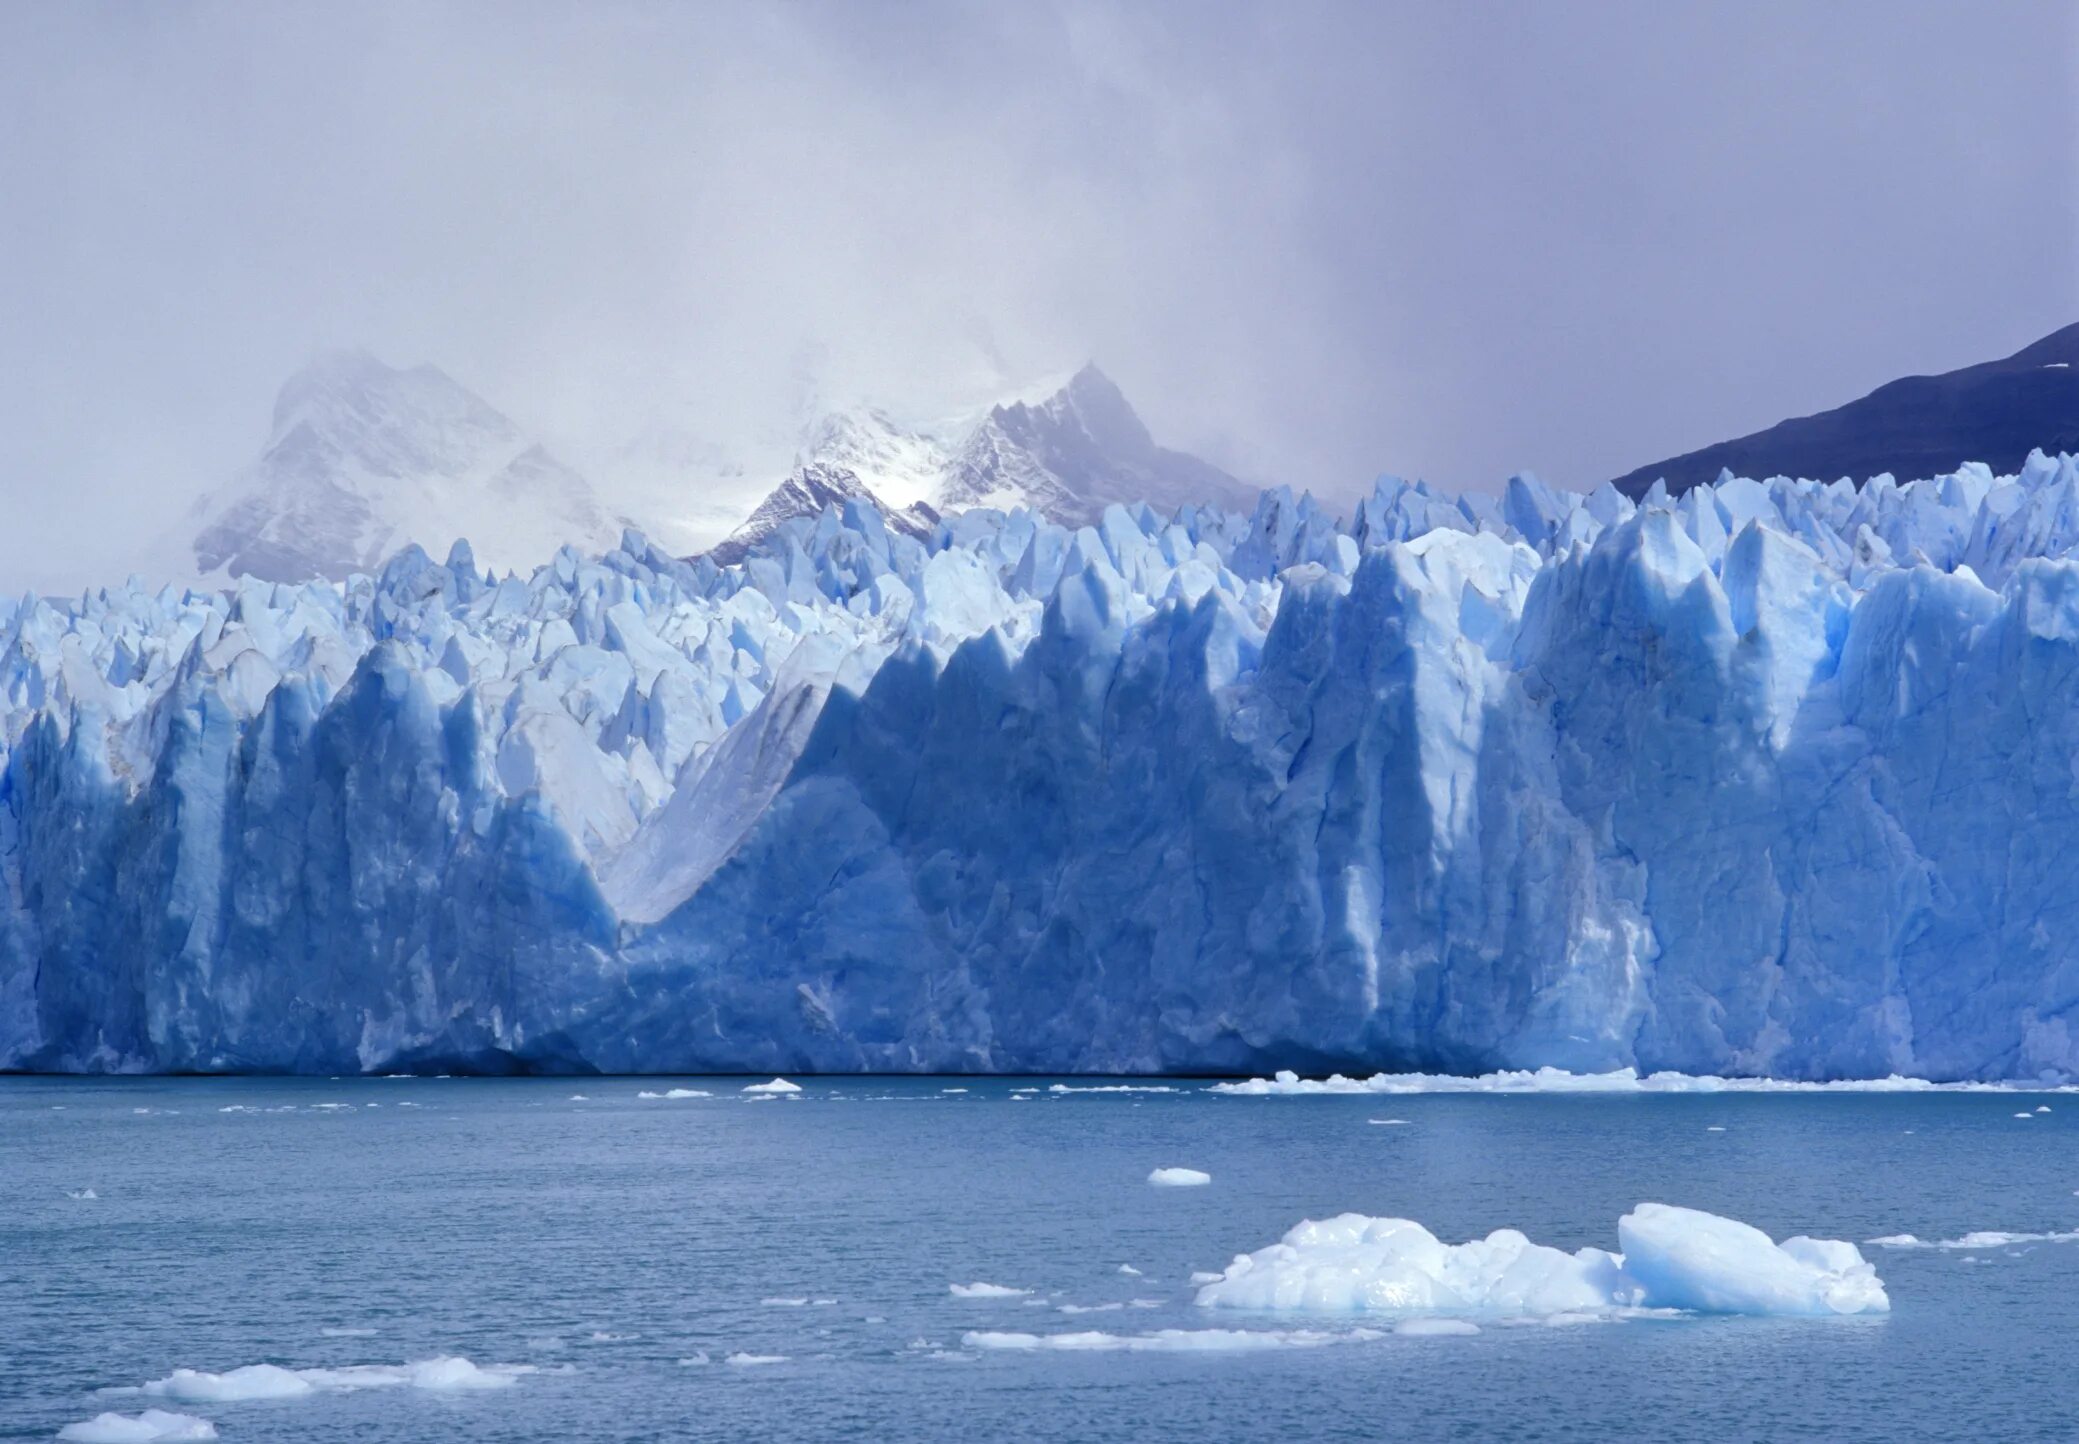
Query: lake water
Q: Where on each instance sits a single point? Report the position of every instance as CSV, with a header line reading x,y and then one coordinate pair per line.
x,y
605,1239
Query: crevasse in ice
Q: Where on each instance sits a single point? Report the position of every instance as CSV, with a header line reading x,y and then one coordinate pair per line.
x,y
1778,778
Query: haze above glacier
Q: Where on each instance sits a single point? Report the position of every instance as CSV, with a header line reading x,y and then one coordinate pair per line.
x,y
1300,241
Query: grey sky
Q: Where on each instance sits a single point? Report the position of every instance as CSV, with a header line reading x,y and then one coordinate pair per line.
x,y
1315,242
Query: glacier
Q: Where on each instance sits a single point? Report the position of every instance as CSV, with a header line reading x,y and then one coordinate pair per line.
x,y
1776,778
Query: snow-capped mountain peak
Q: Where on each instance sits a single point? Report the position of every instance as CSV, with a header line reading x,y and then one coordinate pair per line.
x,y
1066,453
364,457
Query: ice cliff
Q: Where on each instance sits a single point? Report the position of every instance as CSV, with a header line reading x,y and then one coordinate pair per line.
x,y
1778,778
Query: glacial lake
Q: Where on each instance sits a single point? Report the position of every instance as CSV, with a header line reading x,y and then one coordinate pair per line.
x,y
609,1242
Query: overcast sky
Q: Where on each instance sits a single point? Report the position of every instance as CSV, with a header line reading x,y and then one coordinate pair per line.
x,y
1315,242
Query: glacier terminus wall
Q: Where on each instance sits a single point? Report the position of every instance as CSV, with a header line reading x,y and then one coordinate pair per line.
x,y
1780,778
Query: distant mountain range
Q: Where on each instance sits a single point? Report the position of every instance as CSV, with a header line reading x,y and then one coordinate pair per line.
x,y
363,457
1995,412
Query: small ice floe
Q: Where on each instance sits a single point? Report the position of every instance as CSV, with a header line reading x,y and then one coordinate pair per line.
x,y
605,1336
1387,1122
1168,1341
348,1333
952,1090
1179,1178
676,1093
1288,1084
1435,1328
1088,1308
1671,1258
746,1361
2042,1107
448,1373
777,1303
985,1291
1114,1088
777,1085
153,1426
1130,1271
579,1098
1983,1238
82,1195
2028,1116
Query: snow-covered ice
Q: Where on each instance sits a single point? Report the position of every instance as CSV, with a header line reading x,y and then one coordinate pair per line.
x,y
1179,1178
777,1085
153,1426
985,1291
1671,1258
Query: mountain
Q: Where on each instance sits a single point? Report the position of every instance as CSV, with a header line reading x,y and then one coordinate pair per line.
x,y
363,458
1066,456
808,491
1072,455
1995,412
1734,784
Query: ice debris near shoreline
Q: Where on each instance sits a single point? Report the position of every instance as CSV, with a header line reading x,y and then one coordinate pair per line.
x,y
1771,779
1669,1258
1287,1084
153,1426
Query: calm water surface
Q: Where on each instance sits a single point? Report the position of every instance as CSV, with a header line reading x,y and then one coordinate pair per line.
x,y
605,1239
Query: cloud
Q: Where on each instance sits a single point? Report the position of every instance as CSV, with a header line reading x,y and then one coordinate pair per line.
x,y
1315,241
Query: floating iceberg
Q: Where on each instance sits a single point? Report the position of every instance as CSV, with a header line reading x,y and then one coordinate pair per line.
x,y
985,1291
1672,1258
153,1426
271,1381
1179,1178
1768,780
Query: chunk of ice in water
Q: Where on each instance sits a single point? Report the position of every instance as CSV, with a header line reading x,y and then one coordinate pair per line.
x,y
1673,1258
153,1426
1179,1178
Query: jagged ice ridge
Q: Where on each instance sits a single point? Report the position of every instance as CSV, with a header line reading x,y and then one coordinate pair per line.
x,y
1775,779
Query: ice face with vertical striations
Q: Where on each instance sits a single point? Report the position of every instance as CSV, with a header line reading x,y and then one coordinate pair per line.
x,y
1774,779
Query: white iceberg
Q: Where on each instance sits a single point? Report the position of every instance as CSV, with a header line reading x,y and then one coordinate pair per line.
x,y
777,1085
447,1373
1672,1258
1179,1178
985,1291
153,1426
